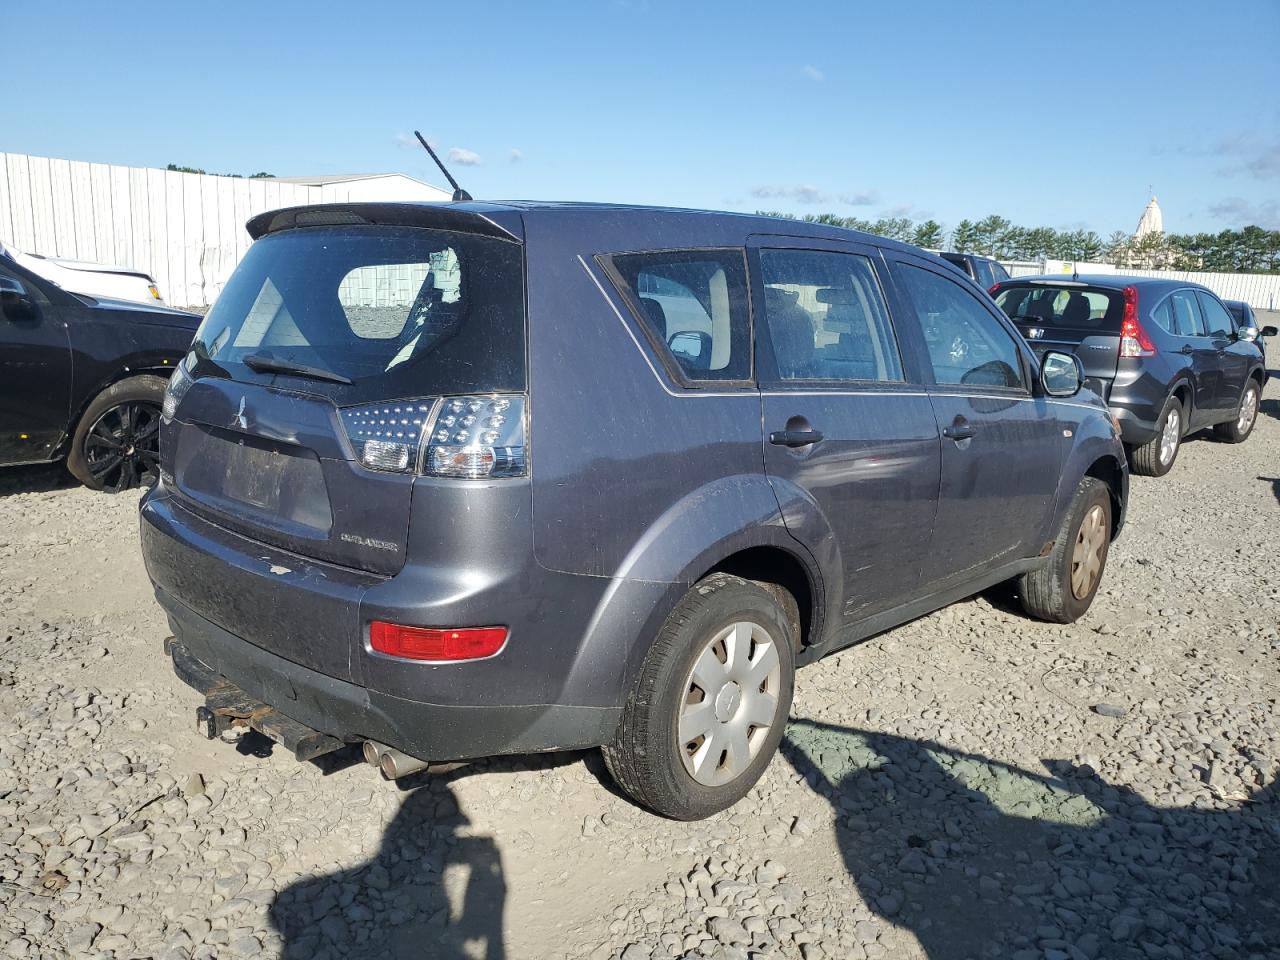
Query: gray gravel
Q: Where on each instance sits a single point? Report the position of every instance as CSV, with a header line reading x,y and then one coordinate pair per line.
x,y
972,785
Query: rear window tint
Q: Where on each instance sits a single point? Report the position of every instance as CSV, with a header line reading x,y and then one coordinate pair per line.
x,y
1074,307
401,311
693,303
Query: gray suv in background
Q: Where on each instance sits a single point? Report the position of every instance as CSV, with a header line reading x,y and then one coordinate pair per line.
x,y
1165,354
459,480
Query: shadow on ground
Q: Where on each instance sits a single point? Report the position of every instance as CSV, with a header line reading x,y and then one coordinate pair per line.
x,y
1275,486
35,478
1271,407
979,859
433,890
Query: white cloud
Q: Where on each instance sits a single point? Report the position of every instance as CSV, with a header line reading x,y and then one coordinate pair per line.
x,y
901,210
812,72
1251,155
516,155
1240,212
863,199
463,156
804,193
409,140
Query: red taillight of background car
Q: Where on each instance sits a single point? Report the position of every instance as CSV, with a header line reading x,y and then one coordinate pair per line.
x,y
428,643
991,290
1134,341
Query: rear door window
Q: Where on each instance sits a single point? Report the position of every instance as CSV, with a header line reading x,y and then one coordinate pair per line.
x,y
967,345
827,317
1187,319
693,305
399,311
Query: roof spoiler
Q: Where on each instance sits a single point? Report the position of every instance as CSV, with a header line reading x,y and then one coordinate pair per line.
x,y
490,223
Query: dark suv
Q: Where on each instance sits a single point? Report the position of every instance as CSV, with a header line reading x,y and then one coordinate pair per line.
x,y
984,271
1165,354
467,479
83,378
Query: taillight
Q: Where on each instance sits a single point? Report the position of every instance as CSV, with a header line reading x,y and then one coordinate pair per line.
x,y
467,438
993,288
428,643
1134,341
179,383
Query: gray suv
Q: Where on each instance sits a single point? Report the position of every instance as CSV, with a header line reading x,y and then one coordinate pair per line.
x,y
459,480
1166,355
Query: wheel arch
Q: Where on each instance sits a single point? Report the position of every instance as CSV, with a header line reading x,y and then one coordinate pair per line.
x,y
1109,470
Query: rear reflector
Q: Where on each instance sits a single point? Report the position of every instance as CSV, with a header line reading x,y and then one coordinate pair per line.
x,y
426,643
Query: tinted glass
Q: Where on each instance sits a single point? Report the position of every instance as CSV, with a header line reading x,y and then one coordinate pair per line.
x,y
401,311
1216,319
1187,320
967,345
695,303
999,271
826,317
1074,307
1163,315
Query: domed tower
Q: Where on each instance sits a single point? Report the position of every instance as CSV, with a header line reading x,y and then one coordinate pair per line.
x,y
1151,221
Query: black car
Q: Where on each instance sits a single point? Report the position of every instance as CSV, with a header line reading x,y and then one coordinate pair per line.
x,y
1165,354
1247,325
455,480
83,378
984,271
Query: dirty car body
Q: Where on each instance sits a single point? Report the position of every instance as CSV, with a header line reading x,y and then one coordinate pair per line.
x,y
642,429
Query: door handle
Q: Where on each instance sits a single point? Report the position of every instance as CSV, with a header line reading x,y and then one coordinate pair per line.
x,y
959,430
795,438
1187,349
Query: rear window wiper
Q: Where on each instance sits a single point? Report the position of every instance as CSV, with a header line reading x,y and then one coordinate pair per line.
x,y
265,363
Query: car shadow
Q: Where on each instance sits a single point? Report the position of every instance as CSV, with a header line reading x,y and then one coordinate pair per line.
x,y
1275,486
1271,407
434,889
35,478
977,858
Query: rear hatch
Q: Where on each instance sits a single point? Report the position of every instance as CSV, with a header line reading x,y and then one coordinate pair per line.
x,y
1069,316
325,335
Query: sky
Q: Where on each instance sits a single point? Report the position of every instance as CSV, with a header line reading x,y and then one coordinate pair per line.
x,y
1061,115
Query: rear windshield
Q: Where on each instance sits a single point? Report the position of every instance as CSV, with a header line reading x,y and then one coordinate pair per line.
x,y
1075,307
400,311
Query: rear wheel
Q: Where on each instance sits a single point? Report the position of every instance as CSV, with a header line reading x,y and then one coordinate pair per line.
x,y
1238,430
1155,458
116,444
711,703
1063,589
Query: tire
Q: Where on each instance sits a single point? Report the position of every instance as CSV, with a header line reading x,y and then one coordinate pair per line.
x,y
714,769
1155,459
1052,592
1238,430
125,417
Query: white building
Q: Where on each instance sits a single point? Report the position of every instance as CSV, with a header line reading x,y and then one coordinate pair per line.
x,y
1151,221
184,229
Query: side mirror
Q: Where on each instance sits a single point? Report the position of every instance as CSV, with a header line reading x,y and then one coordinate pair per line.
x,y
1270,332
1247,334
692,348
15,301
1061,374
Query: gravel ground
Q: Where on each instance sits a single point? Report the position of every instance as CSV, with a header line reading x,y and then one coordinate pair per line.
x,y
971,785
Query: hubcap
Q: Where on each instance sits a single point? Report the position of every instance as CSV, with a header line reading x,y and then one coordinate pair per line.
x,y
1170,436
1086,558
1248,410
123,446
730,703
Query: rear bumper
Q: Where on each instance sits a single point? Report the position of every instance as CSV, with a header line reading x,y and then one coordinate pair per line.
x,y
352,713
1135,427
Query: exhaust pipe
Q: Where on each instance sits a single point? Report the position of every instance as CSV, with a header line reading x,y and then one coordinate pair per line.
x,y
395,764
373,753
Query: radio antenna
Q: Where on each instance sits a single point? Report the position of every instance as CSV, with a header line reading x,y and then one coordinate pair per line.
x,y
458,192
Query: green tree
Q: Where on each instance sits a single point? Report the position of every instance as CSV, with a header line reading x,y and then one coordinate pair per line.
x,y
928,235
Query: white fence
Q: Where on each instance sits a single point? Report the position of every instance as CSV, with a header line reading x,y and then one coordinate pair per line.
x,y
185,229
1260,290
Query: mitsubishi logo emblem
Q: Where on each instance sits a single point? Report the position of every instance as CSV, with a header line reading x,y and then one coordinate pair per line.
x,y
240,420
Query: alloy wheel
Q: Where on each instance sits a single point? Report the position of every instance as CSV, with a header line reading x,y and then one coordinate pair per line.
x,y
1248,409
731,701
1170,436
122,448
1086,557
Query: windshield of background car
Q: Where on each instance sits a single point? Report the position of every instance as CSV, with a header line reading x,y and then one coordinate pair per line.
x,y
400,311
1076,307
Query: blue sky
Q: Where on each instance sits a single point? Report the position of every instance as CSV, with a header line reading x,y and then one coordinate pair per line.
x,y
1057,115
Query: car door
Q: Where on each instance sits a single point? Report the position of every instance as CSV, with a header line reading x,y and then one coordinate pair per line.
x,y
1191,339
1233,358
35,369
1001,446
851,444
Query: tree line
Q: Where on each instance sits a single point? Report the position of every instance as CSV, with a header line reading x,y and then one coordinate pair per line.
x,y
1250,250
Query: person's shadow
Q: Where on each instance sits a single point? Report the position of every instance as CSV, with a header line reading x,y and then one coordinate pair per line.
x,y
980,859
432,891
